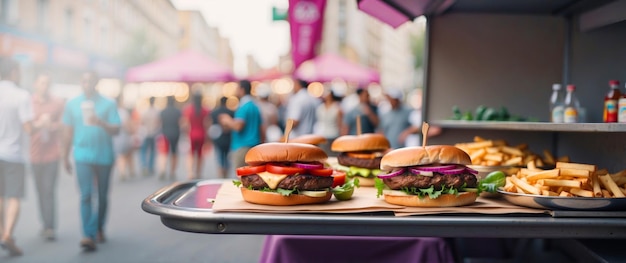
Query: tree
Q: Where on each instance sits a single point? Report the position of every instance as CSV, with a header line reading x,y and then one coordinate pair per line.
x,y
418,44
139,50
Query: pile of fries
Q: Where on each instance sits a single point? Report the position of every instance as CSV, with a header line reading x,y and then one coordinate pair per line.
x,y
499,153
567,179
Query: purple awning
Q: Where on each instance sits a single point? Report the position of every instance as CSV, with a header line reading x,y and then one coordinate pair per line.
x,y
395,12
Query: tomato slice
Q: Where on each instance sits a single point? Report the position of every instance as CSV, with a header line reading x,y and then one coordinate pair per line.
x,y
250,170
339,178
321,172
282,169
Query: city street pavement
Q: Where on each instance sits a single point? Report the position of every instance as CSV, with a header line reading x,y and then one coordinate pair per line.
x,y
132,234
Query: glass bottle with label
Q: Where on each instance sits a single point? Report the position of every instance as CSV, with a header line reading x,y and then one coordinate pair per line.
x,y
572,106
621,109
610,102
556,104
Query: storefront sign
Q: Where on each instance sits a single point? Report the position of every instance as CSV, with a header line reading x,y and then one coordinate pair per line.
x,y
306,19
12,46
69,58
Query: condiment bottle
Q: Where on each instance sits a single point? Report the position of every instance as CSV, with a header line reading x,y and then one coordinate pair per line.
x,y
621,109
572,106
610,102
556,104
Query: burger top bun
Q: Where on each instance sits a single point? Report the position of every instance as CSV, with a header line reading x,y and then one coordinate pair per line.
x,y
363,142
309,139
284,152
418,155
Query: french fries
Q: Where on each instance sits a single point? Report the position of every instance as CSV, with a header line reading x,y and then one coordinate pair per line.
x,y
499,153
568,179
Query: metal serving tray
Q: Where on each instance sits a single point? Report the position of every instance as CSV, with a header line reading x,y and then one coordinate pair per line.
x,y
177,210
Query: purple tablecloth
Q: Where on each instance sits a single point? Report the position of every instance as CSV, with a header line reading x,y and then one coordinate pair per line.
x,y
291,249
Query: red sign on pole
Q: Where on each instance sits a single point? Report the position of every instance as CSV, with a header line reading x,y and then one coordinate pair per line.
x,y
306,19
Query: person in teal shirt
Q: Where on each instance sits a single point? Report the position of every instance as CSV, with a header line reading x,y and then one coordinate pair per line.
x,y
246,125
91,121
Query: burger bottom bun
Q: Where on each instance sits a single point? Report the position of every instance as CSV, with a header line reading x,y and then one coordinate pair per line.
x,y
366,181
269,198
445,200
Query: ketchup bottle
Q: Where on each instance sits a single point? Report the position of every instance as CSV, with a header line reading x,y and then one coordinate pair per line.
x,y
610,102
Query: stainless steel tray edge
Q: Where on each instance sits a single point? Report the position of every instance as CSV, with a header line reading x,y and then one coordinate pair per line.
x,y
197,220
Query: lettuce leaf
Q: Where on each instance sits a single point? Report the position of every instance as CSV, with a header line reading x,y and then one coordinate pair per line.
x,y
380,186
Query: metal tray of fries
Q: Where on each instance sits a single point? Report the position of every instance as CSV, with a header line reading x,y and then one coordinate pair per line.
x,y
565,203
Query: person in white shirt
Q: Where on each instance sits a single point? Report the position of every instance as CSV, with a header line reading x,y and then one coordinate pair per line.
x,y
301,109
329,120
150,128
16,115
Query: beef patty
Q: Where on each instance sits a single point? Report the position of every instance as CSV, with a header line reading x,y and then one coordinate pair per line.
x,y
347,160
300,182
437,180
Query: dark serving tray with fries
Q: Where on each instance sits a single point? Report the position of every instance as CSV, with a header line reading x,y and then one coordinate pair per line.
x,y
172,204
567,203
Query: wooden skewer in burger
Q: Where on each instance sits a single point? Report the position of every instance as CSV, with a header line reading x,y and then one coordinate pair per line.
x,y
360,154
427,176
285,173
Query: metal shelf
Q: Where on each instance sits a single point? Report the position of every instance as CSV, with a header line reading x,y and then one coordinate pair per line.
x,y
532,126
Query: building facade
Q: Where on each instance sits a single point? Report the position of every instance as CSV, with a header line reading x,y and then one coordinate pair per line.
x,y
364,40
66,37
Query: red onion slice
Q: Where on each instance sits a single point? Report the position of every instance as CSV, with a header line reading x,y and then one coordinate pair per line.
x,y
437,169
453,171
392,173
470,170
420,172
309,166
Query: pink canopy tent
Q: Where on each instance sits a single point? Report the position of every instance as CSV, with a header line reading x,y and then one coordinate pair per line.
x,y
186,66
267,74
328,67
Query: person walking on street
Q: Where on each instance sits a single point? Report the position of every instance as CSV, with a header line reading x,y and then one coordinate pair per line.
x,y
301,109
269,113
329,120
246,125
366,111
150,127
221,137
398,122
170,127
123,143
16,115
91,120
45,150
196,121
402,124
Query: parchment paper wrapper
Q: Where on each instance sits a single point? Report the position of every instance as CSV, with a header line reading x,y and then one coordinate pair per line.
x,y
364,200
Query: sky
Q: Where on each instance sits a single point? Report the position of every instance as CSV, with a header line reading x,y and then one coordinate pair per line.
x,y
249,27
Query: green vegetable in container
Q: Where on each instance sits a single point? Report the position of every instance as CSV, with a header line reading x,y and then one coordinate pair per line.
x,y
456,113
480,111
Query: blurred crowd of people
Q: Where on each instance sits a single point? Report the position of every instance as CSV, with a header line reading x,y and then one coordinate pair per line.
x,y
95,137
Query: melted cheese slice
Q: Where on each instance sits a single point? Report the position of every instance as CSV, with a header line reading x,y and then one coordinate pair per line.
x,y
272,180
